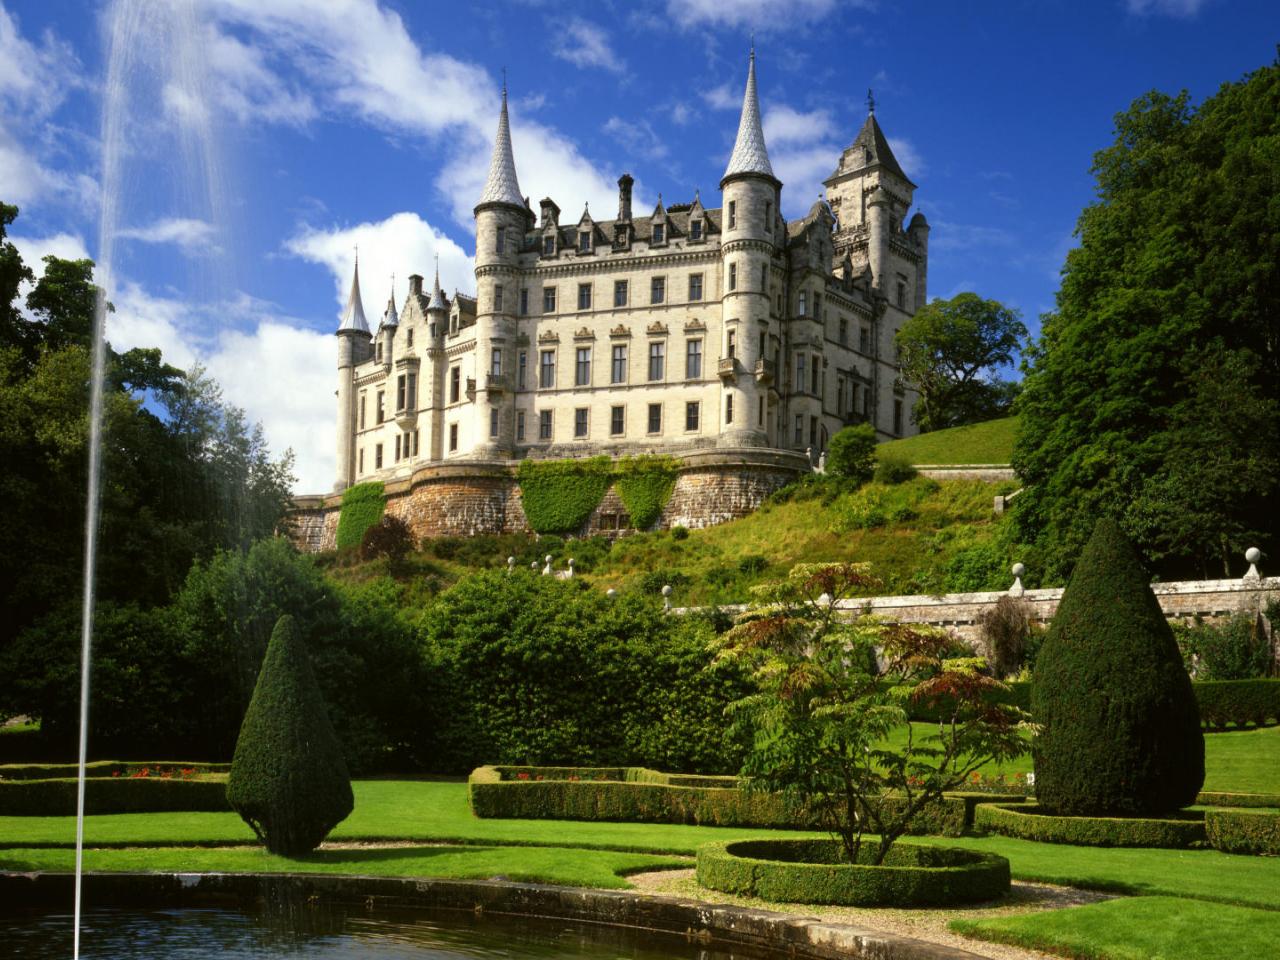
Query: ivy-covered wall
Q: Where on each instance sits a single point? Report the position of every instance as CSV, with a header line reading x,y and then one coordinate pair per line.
x,y
362,507
559,495
644,484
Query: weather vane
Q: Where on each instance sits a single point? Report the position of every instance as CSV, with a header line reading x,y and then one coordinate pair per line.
x,y
871,101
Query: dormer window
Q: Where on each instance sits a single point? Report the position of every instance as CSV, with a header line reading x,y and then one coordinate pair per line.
x,y
549,245
659,233
695,229
584,241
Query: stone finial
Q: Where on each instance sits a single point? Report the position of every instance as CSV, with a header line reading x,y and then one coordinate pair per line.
x,y
666,597
1017,570
511,564
571,566
546,571
1253,555
611,593
533,565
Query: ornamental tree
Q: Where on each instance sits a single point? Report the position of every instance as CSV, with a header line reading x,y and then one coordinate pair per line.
x,y
288,780
821,721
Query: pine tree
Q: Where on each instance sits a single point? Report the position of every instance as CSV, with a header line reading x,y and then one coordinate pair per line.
x,y
288,779
1121,729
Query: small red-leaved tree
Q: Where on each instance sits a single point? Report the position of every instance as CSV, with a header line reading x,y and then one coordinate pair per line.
x,y
828,723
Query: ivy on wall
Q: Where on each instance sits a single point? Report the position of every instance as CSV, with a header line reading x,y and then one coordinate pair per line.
x,y
362,507
644,485
559,495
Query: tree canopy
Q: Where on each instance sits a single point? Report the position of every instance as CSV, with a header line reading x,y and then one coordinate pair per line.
x,y
1151,396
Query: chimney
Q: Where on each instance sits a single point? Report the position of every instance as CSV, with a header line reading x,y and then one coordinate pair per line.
x,y
550,212
415,285
624,197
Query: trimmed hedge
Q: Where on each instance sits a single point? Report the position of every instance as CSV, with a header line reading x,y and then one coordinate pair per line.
x,y
102,768
644,485
57,798
1238,702
1210,798
1024,820
362,507
559,495
1235,831
811,871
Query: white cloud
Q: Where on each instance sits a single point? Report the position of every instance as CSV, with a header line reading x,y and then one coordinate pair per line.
x,y
637,137
190,235
804,149
761,15
683,114
250,90
1179,9
66,246
585,44
784,125
723,97
909,158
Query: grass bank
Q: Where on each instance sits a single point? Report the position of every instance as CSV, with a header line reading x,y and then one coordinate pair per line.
x,y
989,442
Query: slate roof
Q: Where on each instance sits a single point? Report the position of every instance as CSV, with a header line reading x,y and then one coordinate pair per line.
x,y
353,319
870,146
749,152
502,185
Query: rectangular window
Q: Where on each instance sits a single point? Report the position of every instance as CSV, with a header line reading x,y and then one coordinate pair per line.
x,y
400,393
377,457
732,345
524,301
801,309
733,276
520,426
582,368
817,306
382,406
799,429
455,384
584,296
902,294
813,375
584,241
363,398
799,373
768,217
411,401
844,332
547,370
897,416
493,422
397,448
409,337
695,286
657,355
733,214
692,409
497,298
659,233
764,278
760,347
693,360
544,424
617,421
760,405
618,368
655,418
728,409
580,422
864,340
453,437
415,443
619,293
500,240
695,229
813,431
658,290
360,461
495,362
522,370
549,245
548,299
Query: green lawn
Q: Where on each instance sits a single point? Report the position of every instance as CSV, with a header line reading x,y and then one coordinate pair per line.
x,y
1243,761
1142,928
989,442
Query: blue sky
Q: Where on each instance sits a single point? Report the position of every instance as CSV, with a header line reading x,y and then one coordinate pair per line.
x,y
264,139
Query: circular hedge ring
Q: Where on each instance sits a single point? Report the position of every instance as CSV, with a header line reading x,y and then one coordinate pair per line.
x,y
1028,821
813,871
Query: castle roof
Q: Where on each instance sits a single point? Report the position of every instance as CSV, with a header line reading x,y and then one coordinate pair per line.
x,y
389,316
353,320
749,152
870,147
438,301
502,185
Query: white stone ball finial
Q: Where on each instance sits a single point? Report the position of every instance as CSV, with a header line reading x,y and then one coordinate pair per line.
x,y
571,566
666,597
1017,570
611,593
546,571
511,564
1253,555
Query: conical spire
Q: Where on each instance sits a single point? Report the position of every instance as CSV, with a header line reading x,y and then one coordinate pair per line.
x,y
502,185
389,317
353,320
749,152
437,295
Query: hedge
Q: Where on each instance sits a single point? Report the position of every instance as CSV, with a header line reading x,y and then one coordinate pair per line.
x,y
104,768
57,798
644,485
1024,820
362,507
1238,702
1235,831
559,495
811,871
1210,798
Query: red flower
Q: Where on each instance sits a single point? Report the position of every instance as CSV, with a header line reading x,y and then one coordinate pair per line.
x,y
522,775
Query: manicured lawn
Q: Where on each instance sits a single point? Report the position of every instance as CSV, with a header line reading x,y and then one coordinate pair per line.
x,y
584,868
1243,761
989,442
1138,929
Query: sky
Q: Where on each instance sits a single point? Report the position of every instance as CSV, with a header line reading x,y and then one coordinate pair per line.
x,y
256,143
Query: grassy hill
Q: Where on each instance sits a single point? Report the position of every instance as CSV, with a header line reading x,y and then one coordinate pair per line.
x,y
989,442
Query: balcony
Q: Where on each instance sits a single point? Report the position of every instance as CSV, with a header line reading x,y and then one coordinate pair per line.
x,y
406,418
766,370
496,384
728,369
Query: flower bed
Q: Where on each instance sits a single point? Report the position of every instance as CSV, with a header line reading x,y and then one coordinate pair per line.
x,y
114,794
811,871
1239,831
1026,821
168,769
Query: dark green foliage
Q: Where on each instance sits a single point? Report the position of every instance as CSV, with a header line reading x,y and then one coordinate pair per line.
x,y
110,768
362,507
1238,702
532,669
389,538
1005,629
1015,693
57,798
1032,822
644,485
1174,427
1237,832
1120,726
753,563
559,495
679,533
1213,798
288,779
811,871
893,468
852,453
1231,649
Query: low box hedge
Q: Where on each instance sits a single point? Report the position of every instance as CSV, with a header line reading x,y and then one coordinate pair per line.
x,y
812,871
1026,821
1240,831
104,768
1239,703
57,798
1210,798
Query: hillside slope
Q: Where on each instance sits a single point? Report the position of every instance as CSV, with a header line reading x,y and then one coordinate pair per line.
x,y
989,442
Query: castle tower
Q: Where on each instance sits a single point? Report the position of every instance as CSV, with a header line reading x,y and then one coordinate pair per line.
x,y
750,229
437,329
354,341
501,220
387,329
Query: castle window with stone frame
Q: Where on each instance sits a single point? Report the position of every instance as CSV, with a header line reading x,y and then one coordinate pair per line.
x,y
814,373
580,423
497,298
519,426
377,456
768,216
544,424
363,398
693,360
409,337
733,214
864,340
657,360
524,301
902,292
659,233
799,429
692,416
844,332
799,373
618,368
731,345
658,290
733,276
500,240
728,409
803,305
495,362
548,299
655,418
764,278
453,438
493,422
584,296
617,420
695,286
360,461
813,431
381,407
547,370
549,245
582,367
619,293
377,352
455,386
695,230
522,370
584,241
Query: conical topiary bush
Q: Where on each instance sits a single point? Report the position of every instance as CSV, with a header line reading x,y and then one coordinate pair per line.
x,y
1120,725
288,779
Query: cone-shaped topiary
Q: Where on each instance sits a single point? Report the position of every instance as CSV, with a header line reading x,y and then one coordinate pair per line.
x,y
288,778
1121,729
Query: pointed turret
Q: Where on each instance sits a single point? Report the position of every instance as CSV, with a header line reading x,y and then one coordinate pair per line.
x,y
502,185
389,316
750,156
353,320
437,301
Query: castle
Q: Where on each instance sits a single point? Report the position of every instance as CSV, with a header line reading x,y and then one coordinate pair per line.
x,y
690,328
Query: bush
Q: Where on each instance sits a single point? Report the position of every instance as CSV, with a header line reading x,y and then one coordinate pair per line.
x,y
644,486
1232,831
559,495
1210,798
893,468
57,798
389,538
1032,822
288,779
852,453
810,871
1120,729
1231,649
753,563
1238,702
165,769
679,533
1004,629
362,507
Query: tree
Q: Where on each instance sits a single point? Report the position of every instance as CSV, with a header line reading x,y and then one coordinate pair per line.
x,y
1120,728
820,721
853,453
288,779
951,351
1151,395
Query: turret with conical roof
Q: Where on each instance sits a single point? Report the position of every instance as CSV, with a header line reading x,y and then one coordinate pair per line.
x,y
353,348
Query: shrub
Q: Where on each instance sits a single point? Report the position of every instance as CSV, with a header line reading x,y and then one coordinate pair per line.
x,y
1032,822
559,495
1210,798
122,794
1120,729
1238,702
679,533
1232,649
644,485
389,538
753,563
362,507
893,468
288,779
852,453
1004,629
1234,831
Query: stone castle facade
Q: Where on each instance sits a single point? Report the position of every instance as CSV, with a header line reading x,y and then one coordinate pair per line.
x,y
687,329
